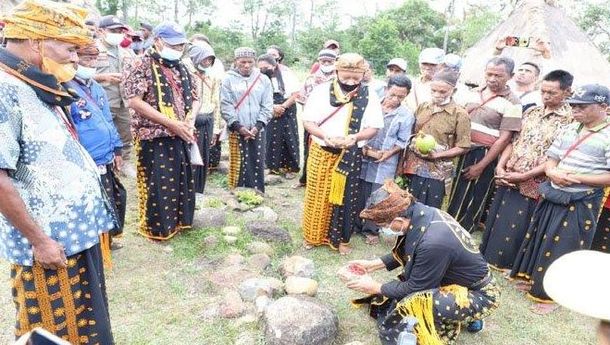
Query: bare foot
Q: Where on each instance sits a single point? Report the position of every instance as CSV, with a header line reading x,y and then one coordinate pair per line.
x,y
345,249
523,286
372,240
543,308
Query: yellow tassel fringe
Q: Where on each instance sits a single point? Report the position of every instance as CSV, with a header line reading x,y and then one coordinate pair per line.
x,y
420,306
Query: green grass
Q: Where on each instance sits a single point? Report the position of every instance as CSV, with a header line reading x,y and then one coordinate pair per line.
x,y
160,292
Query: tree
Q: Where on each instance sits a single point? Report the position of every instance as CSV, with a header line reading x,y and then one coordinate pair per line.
x,y
595,21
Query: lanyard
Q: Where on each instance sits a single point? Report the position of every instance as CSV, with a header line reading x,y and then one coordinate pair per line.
x,y
67,123
580,141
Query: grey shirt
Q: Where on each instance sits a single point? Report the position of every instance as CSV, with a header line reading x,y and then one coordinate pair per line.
x,y
258,104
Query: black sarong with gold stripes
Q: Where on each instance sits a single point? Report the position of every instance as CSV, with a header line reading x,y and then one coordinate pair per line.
x,y
70,302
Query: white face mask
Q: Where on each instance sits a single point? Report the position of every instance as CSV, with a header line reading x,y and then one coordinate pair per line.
x,y
85,73
170,54
114,39
327,68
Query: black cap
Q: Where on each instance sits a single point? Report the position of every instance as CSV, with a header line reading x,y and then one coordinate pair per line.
x,y
590,94
146,26
111,22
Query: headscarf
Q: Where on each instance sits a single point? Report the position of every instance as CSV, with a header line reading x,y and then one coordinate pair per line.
x,y
244,52
386,203
88,50
44,19
351,62
200,51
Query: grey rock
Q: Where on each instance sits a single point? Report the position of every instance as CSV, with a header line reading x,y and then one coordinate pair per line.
x,y
250,289
257,247
261,303
233,260
273,180
301,286
231,306
298,266
231,230
210,241
259,261
268,231
208,217
230,239
263,213
299,320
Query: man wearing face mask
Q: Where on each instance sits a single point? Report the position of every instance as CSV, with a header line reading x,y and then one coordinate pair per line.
x,y
340,116
246,104
324,73
449,125
110,66
282,130
53,209
208,122
429,61
162,95
96,131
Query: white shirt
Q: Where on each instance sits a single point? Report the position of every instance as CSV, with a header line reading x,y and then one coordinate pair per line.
x,y
318,108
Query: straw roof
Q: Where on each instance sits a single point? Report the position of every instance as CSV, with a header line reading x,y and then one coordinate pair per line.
x,y
571,49
7,5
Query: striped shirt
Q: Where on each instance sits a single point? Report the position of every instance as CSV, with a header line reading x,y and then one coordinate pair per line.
x,y
488,118
590,157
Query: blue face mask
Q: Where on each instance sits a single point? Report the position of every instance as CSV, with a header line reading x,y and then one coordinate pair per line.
x,y
85,73
170,54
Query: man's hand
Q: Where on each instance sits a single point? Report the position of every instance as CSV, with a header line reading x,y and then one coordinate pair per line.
x,y
110,78
514,177
369,265
366,285
561,178
278,110
118,163
183,130
543,47
385,155
473,172
50,254
501,43
254,132
214,139
244,132
331,142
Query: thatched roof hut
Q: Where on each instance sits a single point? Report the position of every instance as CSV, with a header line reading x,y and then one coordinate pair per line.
x,y
7,5
571,49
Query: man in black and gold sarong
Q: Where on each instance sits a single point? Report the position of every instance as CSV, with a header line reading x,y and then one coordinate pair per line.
x,y
445,280
161,92
53,209
565,219
340,115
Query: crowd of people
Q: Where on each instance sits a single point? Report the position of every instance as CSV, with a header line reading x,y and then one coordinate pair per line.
x,y
86,103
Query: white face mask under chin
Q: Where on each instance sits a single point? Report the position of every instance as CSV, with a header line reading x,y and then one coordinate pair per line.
x,y
85,73
327,69
170,54
114,39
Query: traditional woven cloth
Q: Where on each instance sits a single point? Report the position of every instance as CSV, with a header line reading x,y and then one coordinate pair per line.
x,y
43,19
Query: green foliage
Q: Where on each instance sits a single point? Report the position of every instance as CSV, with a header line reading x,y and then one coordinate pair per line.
x,y
249,197
107,7
477,24
595,21
224,40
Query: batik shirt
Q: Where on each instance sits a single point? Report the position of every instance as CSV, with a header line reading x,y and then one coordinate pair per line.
x,y
540,128
53,174
311,82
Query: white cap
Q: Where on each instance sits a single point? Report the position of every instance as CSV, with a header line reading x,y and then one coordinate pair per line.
x,y
398,62
453,61
433,56
579,281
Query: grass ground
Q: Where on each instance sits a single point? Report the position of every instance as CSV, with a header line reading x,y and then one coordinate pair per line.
x,y
161,294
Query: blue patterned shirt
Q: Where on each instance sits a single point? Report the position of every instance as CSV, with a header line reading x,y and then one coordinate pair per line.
x,y
53,174
396,132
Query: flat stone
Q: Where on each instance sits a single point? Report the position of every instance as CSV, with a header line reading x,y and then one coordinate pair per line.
x,y
262,213
257,247
250,289
230,278
230,239
301,286
298,266
210,241
233,260
273,180
231,230
268,231
301,320
231,306
208,217
259,261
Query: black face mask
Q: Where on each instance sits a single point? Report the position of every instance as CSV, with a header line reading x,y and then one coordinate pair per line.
x,y
347,88
267,72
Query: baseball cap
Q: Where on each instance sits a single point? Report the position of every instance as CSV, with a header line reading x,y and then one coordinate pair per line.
x,y
146,26
398,62
453,61
111,22
330,43
590,94
433,56
170,33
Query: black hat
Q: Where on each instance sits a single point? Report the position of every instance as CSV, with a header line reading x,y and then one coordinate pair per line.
x,y
146,26
111,22
590,94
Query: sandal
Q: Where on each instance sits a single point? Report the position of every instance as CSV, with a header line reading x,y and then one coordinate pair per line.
x,y
523,286
345,249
